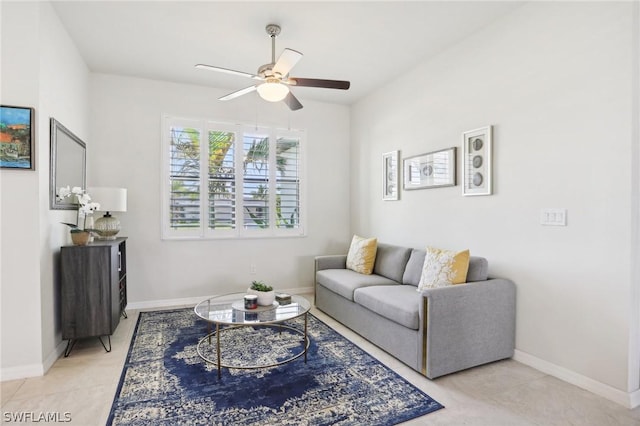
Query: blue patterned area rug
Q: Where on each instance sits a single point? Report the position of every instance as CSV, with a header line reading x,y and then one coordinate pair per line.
x,y
165,382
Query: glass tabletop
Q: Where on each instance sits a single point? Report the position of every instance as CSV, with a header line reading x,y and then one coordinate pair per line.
x,y
229,309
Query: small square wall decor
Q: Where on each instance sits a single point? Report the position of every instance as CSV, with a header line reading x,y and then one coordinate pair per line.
x,y
390,175
476,161
17,138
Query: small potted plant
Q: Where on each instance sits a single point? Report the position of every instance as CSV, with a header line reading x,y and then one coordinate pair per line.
x,y
265,293
79,235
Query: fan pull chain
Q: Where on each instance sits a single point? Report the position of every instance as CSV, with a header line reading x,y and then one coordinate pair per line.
x,y
256,117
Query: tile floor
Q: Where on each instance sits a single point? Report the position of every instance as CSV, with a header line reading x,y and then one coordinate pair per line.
x,y
503,393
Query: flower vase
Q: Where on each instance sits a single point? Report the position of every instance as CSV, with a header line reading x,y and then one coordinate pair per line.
x,y
88,226
265,298
80,238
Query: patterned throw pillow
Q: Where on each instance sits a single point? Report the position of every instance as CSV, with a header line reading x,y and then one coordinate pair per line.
x,y
444,267
362,254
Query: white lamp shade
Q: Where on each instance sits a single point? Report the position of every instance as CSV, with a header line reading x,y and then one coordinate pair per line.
x,y
273,92
110,199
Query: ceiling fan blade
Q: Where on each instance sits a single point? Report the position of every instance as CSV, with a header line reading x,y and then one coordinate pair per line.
x,y
315,82
293,102
227,71
238,93
287,60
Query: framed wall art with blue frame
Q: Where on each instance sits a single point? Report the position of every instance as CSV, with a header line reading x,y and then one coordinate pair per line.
x,y
17,138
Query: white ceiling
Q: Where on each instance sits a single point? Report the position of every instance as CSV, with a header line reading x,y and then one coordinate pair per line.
x,y
367,43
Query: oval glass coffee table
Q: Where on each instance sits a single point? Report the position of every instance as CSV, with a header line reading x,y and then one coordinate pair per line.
x,y
227,312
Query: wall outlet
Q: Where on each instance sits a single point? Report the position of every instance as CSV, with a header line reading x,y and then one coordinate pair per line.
x,y
553,217
252,269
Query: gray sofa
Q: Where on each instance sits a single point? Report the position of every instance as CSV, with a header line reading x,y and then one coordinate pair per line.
x,y
437,331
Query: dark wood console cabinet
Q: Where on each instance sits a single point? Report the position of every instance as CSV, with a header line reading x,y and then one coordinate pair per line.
x,y
93,290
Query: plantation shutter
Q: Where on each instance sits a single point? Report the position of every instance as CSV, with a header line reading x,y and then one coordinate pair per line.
x,y
230,181
288,182
222,180
255,181
184,177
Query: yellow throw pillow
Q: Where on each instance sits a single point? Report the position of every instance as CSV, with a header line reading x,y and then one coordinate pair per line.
x,y
443,267
362,254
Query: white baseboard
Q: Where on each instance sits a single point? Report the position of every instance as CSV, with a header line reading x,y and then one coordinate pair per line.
x,y
192,301
634,399
21,372
54,355
626,399
165,303
33,370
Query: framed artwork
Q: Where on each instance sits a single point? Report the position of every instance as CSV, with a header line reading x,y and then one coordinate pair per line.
x,y
477,161
17,138
431,170
390,175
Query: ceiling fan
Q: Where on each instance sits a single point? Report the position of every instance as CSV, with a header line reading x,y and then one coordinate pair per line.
x,y
274,77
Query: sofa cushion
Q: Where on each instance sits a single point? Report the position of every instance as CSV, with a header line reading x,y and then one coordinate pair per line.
x,y
345,281
398,303
478,268
413,270
362,254
391,261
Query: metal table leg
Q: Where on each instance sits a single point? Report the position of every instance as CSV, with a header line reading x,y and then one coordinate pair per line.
x,y
218,350
305,338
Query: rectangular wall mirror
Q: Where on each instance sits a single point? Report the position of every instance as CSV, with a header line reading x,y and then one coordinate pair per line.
x,y
68,165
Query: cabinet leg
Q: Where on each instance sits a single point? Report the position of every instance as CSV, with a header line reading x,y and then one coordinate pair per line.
x,y
103,345
70,344
124,314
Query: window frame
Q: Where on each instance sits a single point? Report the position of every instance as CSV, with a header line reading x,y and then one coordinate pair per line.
x,y
204,126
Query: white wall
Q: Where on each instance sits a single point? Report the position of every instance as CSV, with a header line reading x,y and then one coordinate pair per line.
x,y
40,68
19,227
64,95
126,147
555,81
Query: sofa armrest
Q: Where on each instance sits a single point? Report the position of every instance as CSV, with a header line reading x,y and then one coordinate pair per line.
x,y
468,325
337,261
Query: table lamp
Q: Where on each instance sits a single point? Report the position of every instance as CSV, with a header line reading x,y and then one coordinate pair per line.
x,y
110,200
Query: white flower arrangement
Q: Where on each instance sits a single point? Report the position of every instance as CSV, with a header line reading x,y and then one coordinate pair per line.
x,y
85,206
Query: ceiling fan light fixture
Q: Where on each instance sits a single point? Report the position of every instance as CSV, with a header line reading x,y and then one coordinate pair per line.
x,y
275,76
273,91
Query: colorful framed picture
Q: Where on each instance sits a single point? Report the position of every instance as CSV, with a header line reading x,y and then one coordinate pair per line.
x,y
433,170
17,138
390,175
477,145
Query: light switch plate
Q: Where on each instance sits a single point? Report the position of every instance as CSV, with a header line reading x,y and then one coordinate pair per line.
x,y
553,217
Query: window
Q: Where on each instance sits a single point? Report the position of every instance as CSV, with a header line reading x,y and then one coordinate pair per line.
x,y
222,180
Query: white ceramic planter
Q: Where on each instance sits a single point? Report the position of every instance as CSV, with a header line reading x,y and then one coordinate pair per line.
x,y
265,298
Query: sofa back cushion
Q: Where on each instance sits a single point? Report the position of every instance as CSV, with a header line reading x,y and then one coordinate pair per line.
x,y
413,271
391,261
478,268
